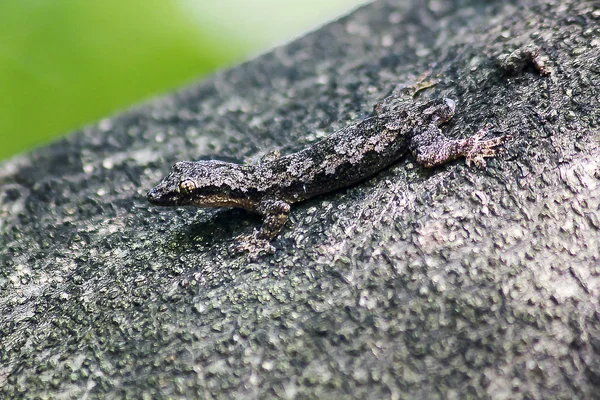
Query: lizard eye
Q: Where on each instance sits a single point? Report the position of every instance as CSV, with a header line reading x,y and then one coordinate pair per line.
x,y
187,186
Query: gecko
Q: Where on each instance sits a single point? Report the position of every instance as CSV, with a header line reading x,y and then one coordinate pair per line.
x,y
398,125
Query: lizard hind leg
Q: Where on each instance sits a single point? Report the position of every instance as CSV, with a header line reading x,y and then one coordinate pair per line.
x,y
432,148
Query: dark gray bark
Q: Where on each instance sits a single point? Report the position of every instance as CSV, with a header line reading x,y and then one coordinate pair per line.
x,y
445,283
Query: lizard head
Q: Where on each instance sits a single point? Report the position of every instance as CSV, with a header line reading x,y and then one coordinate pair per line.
x,y
200,183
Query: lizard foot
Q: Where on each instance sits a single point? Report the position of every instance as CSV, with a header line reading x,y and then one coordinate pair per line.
x,y
476,150
253,245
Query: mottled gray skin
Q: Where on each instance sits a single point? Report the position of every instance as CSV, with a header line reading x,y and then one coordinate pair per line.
x,y
398,125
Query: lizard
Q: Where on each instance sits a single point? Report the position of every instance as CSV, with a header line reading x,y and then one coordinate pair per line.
x,y
399,124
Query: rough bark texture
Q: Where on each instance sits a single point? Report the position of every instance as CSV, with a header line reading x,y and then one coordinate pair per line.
x,y
424,284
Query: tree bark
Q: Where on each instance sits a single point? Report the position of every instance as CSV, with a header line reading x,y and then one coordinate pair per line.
x,y
446,283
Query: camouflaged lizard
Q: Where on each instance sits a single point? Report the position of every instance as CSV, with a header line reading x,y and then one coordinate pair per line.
x,y
398,125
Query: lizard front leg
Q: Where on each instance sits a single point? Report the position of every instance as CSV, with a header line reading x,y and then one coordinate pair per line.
x,y
275,213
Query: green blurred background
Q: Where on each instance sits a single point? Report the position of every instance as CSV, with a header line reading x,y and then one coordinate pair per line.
x,y
67,63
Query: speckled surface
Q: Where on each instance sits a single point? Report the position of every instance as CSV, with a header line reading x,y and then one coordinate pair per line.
x,y
445,283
